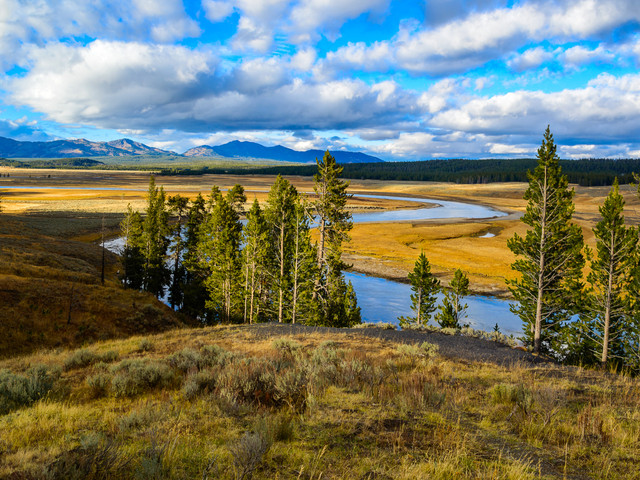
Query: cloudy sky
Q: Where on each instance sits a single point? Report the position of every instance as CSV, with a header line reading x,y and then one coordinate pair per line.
x,y
399,79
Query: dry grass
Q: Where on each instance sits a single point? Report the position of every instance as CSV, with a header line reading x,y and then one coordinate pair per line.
x,y
370,410
51,293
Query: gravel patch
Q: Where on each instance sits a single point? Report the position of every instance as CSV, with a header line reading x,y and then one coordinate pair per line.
x,y
450,346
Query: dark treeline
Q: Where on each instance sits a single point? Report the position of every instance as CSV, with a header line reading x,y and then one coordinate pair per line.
x,y
219,270
585,172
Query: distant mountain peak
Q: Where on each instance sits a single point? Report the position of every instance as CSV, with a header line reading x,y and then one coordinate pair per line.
x,y
245,149
80,147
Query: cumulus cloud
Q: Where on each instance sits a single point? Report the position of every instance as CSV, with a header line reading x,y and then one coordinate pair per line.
x,y
216,11
465,43
33,21
179,88
105,82
606,109
529,59
579,55
327,16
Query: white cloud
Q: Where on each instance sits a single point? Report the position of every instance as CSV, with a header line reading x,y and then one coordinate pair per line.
x,y
606,109
179,88
529,59
310,16
252,36
24,22
216,11
465,43
108,81
304,59
579,55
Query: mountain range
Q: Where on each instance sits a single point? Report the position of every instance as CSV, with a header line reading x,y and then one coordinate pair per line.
x,y
10,148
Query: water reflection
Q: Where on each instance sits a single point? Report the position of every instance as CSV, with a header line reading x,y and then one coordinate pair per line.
x,y
382,300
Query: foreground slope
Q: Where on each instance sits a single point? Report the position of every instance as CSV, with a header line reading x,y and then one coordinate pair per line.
x,y
273,401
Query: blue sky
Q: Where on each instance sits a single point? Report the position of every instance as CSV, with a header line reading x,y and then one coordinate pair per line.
x,y
401,80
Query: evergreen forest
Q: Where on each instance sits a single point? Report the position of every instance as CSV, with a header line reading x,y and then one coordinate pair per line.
x,y
218,269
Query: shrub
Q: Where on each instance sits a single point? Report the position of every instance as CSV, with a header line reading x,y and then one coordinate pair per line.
x,y
95,459
134,376
512,395
145,345
429,350
199,382
99,384
83,358
186,360
287,348
214,355
23,390
247,453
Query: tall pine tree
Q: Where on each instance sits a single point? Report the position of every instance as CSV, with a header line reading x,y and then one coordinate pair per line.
x,y
194,291
549,257
611,279
178,206
334,223
133,251
280,216
255,261
156,241
221,236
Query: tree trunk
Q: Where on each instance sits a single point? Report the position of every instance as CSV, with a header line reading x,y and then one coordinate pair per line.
x,y
537,332
607,309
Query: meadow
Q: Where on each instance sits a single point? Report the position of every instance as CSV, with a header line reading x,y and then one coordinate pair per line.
x,y
387,250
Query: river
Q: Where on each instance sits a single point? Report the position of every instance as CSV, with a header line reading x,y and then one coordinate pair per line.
x,y
383,301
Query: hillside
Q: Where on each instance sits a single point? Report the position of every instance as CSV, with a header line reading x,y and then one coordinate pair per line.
x,y
294,402
51,293
255,150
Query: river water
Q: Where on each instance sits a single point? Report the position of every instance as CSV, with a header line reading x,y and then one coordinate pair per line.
x,y
383,301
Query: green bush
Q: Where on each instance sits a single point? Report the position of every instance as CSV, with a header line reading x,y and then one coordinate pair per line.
x,y
83,358
135,376
23,390
99,384
198,383
512,395
186,360
213,355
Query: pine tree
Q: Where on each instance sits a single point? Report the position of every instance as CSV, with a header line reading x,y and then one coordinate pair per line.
x,y
280,214
132,254
156,241
304,268
452,310
193,289
549,258
254,258
334,224
177,206
425,287
610,278
220,247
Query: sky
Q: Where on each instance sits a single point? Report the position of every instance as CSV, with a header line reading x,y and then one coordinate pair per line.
x,y
398,79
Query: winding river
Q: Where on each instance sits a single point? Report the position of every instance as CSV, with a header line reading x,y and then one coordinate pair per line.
x,y
383,301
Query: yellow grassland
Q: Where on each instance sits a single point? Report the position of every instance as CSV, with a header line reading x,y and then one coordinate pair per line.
x,y
387,250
